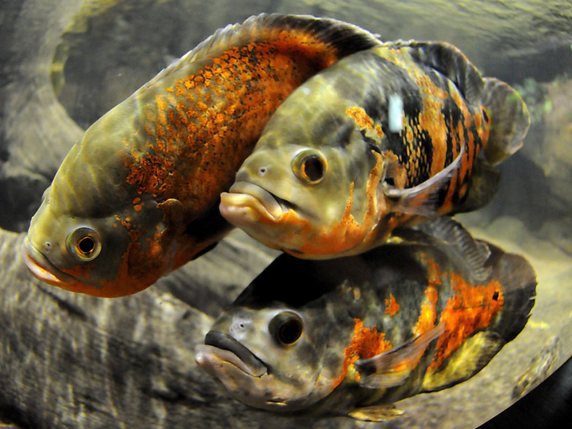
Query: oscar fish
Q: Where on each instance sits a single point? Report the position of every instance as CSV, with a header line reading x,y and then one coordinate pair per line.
x,y
390,136
353,335
139,195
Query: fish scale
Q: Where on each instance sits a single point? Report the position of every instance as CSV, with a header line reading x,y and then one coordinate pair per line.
x,y
372,176
417,315
138,196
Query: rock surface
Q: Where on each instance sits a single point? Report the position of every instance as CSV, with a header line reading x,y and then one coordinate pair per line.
x,y
74,361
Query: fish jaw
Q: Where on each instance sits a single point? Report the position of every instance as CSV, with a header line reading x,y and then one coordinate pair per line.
x,y
243,374
41,267
247,203
254,385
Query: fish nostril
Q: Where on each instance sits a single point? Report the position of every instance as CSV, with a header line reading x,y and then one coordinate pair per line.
x,y
47,246
241,176
262,171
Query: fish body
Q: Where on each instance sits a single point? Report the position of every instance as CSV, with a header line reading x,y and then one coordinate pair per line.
x,y
139,195
356,334
386,137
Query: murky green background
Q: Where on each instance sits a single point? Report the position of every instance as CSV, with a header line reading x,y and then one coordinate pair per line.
x,y
65,63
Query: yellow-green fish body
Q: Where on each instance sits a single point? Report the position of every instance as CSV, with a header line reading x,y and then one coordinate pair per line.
x,y
385,137
139,195
356,334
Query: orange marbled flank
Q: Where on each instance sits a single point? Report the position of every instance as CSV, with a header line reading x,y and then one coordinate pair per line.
x,y
391,305
365,343
471,309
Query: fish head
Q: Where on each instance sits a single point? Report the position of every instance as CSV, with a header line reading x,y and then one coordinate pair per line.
x,y
310,187
263,358
277,347
92,233
78,254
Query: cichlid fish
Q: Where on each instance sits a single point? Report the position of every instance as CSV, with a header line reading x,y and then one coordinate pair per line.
x,y
386,137
356,334
139,195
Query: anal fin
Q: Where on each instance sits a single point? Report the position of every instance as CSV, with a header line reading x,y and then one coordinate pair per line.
x,y
376,413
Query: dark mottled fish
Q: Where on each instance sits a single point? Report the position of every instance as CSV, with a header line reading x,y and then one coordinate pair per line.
x,y
386,137
139,195
356,334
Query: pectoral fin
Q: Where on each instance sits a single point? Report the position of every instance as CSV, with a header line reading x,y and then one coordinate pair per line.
x,y
173,214
392,368
376,413
422,199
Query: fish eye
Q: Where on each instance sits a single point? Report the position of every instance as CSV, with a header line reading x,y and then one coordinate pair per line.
x,y
309,166
286,328
84,243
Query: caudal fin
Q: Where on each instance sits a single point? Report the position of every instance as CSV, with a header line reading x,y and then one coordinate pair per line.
x,y
518,280
510,120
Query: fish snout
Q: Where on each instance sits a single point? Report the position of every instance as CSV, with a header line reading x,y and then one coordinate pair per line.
x,y
228,349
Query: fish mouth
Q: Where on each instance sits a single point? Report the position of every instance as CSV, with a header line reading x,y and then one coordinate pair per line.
x,y
246,203
222,347
42,268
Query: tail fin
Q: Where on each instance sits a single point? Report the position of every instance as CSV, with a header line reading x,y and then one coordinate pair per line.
x,y
518,282
510,120
519,285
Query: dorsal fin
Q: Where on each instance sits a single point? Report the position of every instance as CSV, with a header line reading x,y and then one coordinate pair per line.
x,y
474,253
452,63
325,38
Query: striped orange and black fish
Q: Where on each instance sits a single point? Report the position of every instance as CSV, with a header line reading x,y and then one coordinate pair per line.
x,y
139,195
386,137
356,334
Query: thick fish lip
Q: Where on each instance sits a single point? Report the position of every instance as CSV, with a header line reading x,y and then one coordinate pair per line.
x,y
246,202
225,348
42,268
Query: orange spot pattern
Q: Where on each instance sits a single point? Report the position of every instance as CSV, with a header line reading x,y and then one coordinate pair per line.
x,y
195,125
365,343
471,309
472,132
198,129
391,305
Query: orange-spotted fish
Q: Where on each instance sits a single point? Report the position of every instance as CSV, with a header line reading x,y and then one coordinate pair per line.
x,y
386,137
139,195
351,336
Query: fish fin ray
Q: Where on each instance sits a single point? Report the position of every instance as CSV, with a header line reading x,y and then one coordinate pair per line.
x,y
448,60
406,200
474,253
393,367
483,186
376,413
509,117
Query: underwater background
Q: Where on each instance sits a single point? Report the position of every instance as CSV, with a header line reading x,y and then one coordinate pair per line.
x,y
75,361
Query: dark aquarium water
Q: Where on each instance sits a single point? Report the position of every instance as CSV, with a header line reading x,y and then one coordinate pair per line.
x,y
69,360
